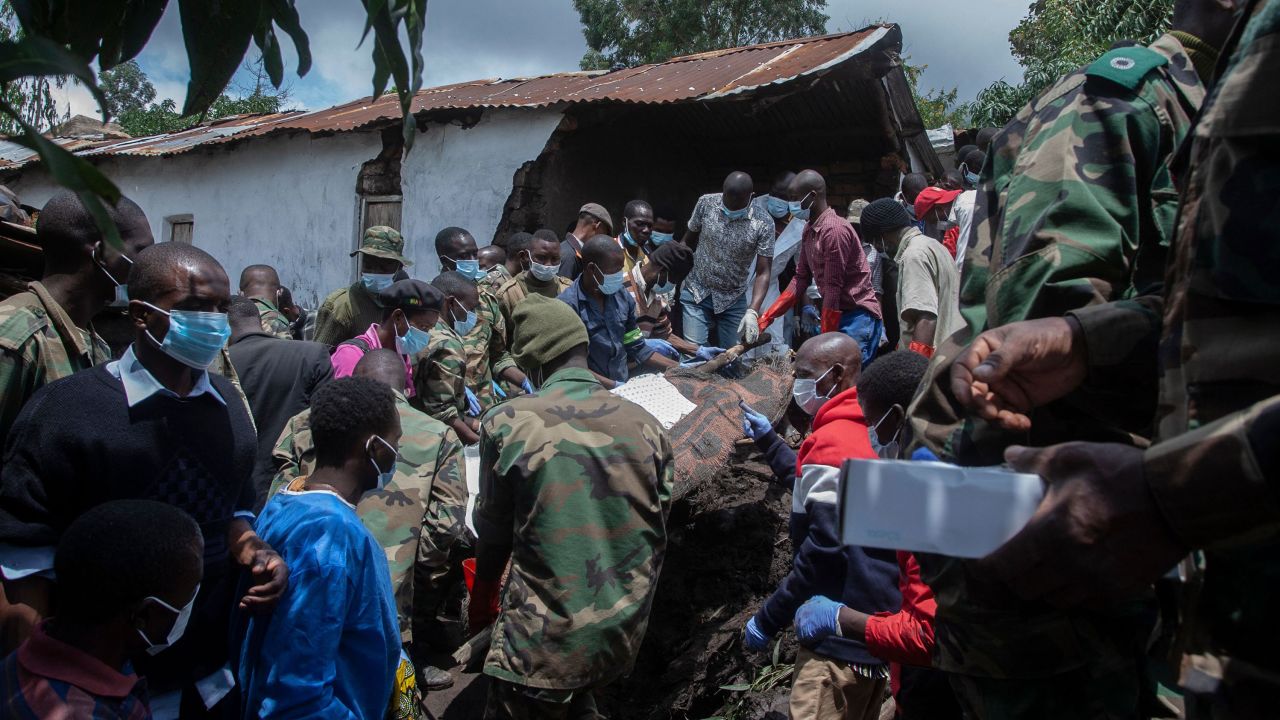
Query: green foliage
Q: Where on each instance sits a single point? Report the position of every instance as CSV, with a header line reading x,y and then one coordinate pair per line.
x,y
1058,36
31,97
636,32
937,107
127,92
61,37
771,676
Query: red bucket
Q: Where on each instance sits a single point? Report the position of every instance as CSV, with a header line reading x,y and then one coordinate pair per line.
x,y
469,572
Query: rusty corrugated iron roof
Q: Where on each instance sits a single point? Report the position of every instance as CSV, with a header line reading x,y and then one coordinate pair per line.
x,y
706,76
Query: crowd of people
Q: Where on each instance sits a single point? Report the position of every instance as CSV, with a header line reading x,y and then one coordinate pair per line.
x,y
255,511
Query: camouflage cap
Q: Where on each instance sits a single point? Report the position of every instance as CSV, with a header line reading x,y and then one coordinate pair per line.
x,y
383,242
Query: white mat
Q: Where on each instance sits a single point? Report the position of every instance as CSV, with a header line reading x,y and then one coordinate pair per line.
x,y
659,397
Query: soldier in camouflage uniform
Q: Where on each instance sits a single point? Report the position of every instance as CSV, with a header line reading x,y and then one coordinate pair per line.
x,y
439,382
45,332
417,518
347,312
261,284
485,341
541,261
1116,517
575,487
1076,207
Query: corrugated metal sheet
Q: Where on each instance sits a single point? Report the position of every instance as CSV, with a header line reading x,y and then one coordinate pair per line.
x,y
707,76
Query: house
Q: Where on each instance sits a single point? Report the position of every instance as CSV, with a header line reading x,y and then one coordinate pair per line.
x,y
296,189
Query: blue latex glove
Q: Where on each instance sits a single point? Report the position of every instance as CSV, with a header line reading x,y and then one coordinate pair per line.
x,y
473,403
754,425
924,455
706,352
526,386
817,620
810,320
497,389
753,639
662,347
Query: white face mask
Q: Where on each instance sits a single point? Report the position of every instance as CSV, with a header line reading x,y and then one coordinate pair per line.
x,y
543,273
888,450
179,624
805,392
384,477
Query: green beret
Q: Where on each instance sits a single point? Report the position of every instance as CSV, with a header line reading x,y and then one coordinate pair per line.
x,y
545,329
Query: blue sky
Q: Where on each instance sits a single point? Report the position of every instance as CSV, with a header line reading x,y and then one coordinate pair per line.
x,y
965,45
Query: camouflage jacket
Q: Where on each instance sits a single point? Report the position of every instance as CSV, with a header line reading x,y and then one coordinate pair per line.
x,y
439,376
511,292
577,481
1215,468
428,475
486,349
345,314
494,279
274,323
39,344
1075,207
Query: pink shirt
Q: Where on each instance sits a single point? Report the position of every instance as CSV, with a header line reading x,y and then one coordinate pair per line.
x,y
347,354
831,256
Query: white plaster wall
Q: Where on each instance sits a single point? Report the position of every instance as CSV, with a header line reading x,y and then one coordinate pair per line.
x,y
463,177
287,201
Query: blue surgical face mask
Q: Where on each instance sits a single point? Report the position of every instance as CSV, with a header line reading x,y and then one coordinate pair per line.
x,y
384,476
464,326
887,450
777,207
470,269
660,238
626,237
610,284
376,282
972,179
544,273
734,214
799,212
194,338
122,289
663,288
413,341
805,392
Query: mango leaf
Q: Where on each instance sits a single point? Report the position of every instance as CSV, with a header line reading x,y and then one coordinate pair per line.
x,y
216,34
286,16
73,173
34,56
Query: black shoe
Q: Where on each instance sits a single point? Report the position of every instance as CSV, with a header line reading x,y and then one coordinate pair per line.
x,y
433,678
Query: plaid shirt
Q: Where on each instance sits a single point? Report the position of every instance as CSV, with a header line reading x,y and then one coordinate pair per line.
x,y
46,678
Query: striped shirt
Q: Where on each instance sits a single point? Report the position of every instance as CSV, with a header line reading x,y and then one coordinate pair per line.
x,y
47,678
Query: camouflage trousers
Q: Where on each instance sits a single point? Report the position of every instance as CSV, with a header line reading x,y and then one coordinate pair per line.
x,y
509,701
441,548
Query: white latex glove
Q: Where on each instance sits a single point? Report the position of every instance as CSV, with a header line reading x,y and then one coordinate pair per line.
x,y
749,328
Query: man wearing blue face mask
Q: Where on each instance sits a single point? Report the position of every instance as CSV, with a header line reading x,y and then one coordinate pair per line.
x,y
484,340
47,332
653,285
331,648
409,310
154,425
539,260
609,312
729,237
342,315
637,233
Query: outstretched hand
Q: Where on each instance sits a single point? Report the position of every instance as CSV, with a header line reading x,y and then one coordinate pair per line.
x,y
1098,535
1008,371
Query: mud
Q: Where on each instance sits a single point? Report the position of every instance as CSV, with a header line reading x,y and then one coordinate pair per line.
x,y
728,549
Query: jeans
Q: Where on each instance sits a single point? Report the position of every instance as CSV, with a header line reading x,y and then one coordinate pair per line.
x,y
864,327
699,317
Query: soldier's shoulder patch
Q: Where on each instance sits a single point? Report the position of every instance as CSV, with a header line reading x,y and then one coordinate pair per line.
x,y
1126,66
19,321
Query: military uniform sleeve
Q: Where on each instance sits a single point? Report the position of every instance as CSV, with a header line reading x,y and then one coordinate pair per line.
x,y
292,454
1059,221
439,380
19,367
330,330
1218,483
499,355
494,512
